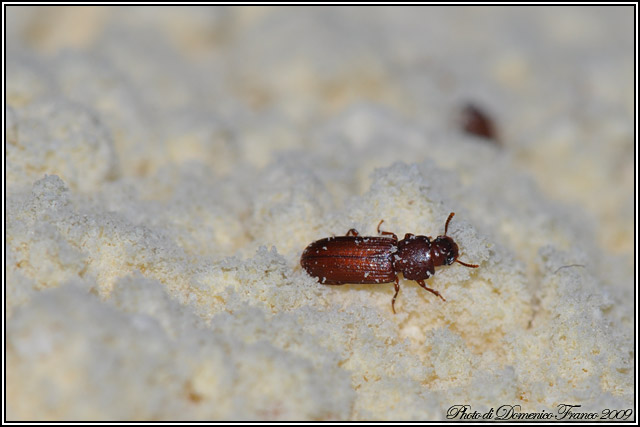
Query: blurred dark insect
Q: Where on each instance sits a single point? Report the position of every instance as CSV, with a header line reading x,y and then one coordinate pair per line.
x,y
476,121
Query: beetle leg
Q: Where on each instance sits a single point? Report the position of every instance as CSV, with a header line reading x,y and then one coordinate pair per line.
x,y
396,286
433,291
408,236
386,233
352,232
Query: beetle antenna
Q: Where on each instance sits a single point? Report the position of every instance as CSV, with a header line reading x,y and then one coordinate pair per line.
x,y
467,265
446,225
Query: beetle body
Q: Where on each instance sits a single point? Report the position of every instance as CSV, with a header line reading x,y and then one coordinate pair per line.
x,y
351,259
356,259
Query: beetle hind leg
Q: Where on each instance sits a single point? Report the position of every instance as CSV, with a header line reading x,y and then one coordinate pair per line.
x,y
433,291
386,233
352,232
396,286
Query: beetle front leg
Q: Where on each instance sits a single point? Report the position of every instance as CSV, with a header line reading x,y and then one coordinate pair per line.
x,y
396,286
433,291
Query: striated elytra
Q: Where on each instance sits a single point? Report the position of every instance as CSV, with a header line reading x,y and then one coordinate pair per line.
x,y
356,259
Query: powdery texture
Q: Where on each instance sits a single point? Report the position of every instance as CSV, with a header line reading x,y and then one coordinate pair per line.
x,y
162,184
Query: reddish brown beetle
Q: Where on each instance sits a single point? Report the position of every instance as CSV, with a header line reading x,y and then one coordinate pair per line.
x,y
355,259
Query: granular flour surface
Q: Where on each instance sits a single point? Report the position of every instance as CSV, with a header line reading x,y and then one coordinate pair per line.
x,y
167,166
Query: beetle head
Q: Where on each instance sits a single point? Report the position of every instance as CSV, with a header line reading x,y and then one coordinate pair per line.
x,y
444,250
